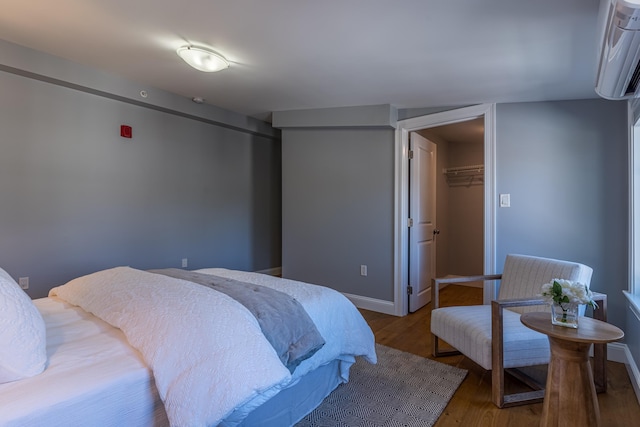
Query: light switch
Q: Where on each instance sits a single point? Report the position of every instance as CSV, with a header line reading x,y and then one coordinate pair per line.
x,y
505,200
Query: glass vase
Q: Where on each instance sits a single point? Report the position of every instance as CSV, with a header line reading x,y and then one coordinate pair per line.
x,y
565,315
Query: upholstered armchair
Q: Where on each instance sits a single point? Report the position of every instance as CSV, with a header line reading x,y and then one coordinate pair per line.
x,y
470,329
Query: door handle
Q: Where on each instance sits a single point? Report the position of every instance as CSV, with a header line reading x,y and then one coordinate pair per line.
x,y
436,231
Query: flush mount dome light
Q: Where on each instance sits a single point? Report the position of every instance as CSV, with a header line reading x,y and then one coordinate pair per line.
x,y
203,59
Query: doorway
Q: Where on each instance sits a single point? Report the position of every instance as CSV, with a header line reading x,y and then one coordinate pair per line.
x,y
486,115
457,195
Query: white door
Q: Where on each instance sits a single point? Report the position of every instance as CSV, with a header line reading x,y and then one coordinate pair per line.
x,y
422,211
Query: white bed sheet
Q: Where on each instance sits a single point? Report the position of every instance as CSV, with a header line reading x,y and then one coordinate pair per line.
x,y
93,377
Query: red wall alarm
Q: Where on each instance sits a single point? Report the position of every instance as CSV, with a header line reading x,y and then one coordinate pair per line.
x,y
125,131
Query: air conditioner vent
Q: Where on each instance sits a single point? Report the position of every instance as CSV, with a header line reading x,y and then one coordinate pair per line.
x,y
618,74
633,83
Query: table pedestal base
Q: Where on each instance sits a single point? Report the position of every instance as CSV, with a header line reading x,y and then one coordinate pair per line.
x,y
570,396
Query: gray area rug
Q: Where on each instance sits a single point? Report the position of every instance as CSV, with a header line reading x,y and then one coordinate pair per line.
x,y
402,389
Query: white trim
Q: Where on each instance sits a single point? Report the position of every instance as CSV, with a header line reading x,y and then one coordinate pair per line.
x,y
634,303
402,185
275,271
618,352
401,214
632,200
632,368
490,202
633,293
378,305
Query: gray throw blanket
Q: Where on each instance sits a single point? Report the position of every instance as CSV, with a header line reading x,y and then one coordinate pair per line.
x,y
283,320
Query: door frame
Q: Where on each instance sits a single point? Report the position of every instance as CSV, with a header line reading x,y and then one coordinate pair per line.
x,y
401,194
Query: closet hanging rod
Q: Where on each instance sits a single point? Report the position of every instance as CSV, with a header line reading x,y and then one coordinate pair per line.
x,y
457,169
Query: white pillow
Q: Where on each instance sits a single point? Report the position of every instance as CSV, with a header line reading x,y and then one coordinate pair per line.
x,y
23,350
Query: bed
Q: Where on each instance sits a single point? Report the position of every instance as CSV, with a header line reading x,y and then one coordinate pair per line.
x,y
140,348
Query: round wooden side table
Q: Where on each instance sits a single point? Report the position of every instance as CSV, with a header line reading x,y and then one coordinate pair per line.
x,y
570,397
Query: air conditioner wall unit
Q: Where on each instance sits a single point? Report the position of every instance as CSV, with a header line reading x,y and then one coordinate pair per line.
x,y
619,58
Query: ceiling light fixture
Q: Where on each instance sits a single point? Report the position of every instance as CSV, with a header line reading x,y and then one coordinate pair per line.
x,y
203,59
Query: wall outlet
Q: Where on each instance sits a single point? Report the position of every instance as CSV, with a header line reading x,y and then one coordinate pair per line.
x,y
185,262
363,270
23,282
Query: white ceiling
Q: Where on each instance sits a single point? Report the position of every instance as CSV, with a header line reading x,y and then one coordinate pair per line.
x,y
470,131
296,54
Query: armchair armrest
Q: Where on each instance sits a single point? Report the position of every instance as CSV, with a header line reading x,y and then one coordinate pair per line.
x,y
497,322
497,356
518,302
435,284
435,302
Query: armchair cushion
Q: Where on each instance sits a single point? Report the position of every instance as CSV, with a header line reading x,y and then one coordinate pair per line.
x,y
469,327
524,275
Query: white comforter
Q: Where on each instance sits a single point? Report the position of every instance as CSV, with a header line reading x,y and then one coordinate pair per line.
x,y
206,350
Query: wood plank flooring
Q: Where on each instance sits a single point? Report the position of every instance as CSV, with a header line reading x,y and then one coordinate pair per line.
x,y
471,405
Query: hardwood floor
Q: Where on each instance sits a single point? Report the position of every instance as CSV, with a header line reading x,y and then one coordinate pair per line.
x,y
471,405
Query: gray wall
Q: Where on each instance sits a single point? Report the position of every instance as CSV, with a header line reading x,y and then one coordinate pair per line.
x,y
76,197
201,183
565,166
338,208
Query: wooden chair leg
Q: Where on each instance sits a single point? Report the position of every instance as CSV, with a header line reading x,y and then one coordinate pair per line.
x,y
600,350
497,357
434,345
435,348
498,396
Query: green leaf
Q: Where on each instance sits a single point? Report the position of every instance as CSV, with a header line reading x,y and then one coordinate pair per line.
x,y
557,289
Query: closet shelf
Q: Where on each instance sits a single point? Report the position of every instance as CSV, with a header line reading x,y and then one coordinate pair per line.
x,y
466,170
464,176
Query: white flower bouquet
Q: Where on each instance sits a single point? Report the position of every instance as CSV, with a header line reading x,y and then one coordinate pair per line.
x,y
565,296
561,291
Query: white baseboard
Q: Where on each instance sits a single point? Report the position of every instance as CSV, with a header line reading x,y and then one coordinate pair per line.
x,y
386,307
618,352
627,358
381,306
275,271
